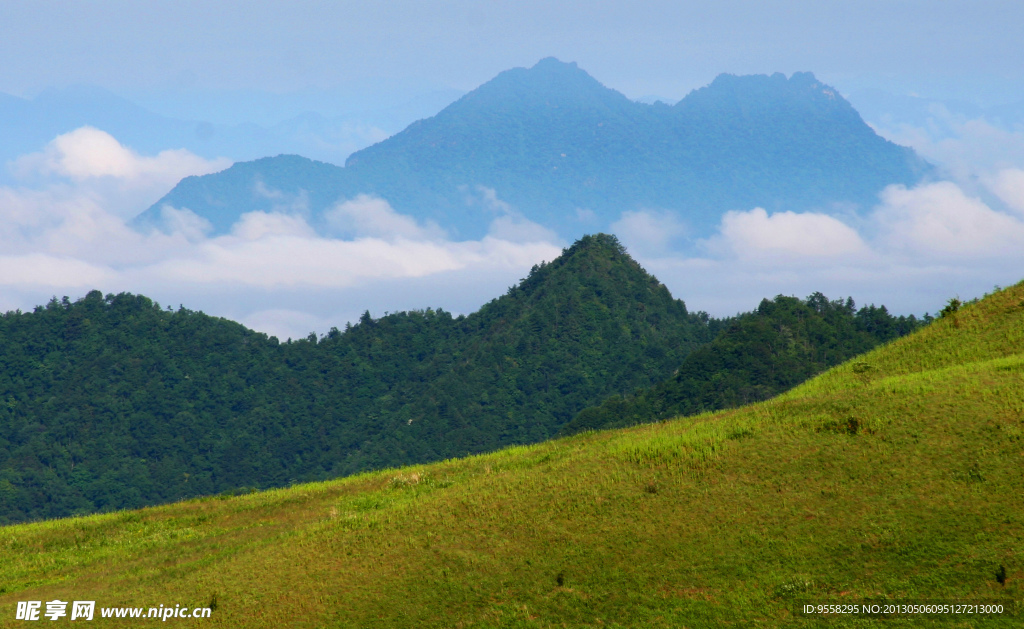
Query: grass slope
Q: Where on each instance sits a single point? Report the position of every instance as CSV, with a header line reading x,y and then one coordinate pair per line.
x,y
897,476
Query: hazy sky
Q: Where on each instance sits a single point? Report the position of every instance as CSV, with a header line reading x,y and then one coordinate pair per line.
x,y
943,47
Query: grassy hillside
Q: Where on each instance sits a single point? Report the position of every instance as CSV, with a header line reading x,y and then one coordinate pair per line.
x,y
895,477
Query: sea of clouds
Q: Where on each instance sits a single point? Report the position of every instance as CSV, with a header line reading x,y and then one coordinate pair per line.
x,y
64,231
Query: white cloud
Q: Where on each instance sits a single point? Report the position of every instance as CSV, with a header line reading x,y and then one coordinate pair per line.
x,y
939,219
277,260
89,165
185,222
68,235
518,228
756,234
1008,185
586,215
87,153
287,324
261,225
288,260
49,271
919,247
508,222
489,198
272,271
284,203
648,231
373,217
963,148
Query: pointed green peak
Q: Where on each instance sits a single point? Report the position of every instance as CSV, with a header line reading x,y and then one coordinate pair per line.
x,y
600,262
603,248
597,244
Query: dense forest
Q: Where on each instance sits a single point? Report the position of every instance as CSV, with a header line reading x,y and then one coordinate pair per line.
x,y
112,402
757,356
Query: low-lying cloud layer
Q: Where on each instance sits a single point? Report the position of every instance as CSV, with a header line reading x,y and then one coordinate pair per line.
x,y
64,232
916,249
67,234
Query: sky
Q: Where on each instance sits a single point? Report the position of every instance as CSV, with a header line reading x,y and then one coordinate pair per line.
x,y
954,48
956,65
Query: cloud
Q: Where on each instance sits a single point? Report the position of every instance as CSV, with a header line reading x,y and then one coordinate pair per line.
x,y
49,271
488,197
1008,185
917,248
648,231
284,203
286,323
518,228
185,222
90,166
508,223
964,148
253,226
939,219
368,216
68,234
88,153
756,234
280,259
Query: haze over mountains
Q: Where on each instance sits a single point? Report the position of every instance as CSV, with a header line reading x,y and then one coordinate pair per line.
x,y
551,145
300,269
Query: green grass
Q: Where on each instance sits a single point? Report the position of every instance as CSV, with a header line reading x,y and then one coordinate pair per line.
x,y
897,477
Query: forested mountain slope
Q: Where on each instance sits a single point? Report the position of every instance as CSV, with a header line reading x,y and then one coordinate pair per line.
x,y
757,356
111,402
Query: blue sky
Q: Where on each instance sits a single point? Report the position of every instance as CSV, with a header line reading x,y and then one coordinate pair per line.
x,y
941,76
945,48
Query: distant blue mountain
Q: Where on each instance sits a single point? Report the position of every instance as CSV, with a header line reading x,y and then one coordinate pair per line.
x,y
571,154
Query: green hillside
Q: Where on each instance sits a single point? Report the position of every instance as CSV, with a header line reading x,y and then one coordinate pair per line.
x,y
757,356
113,403
896,477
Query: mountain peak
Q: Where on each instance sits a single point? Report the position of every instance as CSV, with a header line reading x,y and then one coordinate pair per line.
x,y
800,93
597,244
553,64
600,263
573,155
549,84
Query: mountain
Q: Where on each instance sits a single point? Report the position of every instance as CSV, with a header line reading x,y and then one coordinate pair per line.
x,y
112,402
892,480
572,154
247,186
758,356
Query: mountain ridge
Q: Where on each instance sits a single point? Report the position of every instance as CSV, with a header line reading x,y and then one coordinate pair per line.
x,y
571,154
112,402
